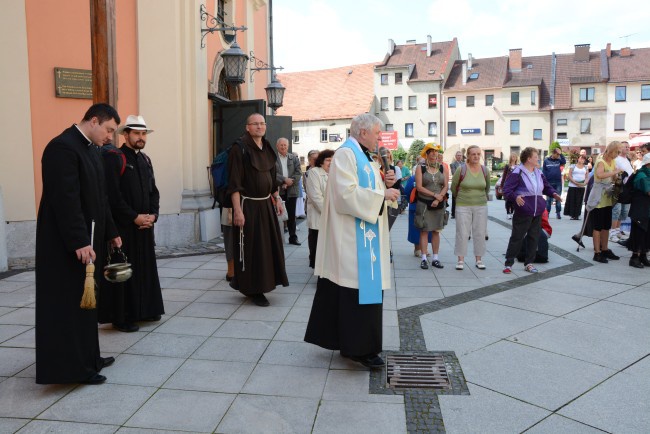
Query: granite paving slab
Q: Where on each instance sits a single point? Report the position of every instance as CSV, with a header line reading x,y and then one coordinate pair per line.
x,y
185,325
352,385
534,376
291,331
23,398
14,360
296,354
115,341
635,297
210,376
51,426
173,272
269,313
16,299
279,380
167,345
226,296
596,344
485,411
495,320
182,410
181,294
616,316
9,331
21,316
444,337
106,404
231,349
208,310
7,285
11,425
540,300
555,424
26,339
137,370
359,417
628,413
273,414
247,329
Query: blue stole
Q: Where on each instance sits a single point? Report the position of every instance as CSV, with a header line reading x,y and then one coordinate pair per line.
x,y
368,250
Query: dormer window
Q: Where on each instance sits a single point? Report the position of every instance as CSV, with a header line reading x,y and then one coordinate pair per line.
x,y
473,76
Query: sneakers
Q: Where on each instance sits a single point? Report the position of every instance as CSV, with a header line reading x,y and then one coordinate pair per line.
x,y
559,216
509,216
507,269
610,255
424,264
600,257
460,265
613,237
480,265
436,263
531,268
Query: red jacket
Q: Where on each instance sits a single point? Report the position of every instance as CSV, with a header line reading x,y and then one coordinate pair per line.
x,y
546,226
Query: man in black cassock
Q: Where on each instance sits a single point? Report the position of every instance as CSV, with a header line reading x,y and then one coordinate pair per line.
x,y
67,344
253,188
134,201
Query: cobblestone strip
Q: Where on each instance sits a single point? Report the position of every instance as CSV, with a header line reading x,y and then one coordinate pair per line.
x,y
423,413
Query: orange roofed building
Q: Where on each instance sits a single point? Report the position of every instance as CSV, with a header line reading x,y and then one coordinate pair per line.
x,y
322,104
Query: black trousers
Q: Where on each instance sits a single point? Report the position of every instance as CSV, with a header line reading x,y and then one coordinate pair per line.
x,y
313,243
453,205
528,227
290,203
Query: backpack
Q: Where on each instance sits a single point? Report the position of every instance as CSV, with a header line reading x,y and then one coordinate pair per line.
x,y
112,150
463,172
220,175
626,193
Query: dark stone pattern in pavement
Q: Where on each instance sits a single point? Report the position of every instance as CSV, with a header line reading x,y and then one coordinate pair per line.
x,y
423,413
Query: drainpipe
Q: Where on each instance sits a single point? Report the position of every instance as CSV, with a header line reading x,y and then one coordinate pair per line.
x,y
552,99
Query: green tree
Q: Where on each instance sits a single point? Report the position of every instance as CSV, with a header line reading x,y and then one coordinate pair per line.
x,y
399,154
553,146
414,152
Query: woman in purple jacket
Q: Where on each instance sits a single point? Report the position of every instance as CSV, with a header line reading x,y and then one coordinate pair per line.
x,y
525,187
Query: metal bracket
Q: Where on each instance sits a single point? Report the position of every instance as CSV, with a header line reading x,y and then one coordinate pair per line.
x,y
260,65
214,24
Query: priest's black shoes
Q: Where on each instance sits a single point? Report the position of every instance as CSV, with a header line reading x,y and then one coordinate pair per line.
x,y
153,318
294,241
372,361
260,300
127,327
95,379
106,362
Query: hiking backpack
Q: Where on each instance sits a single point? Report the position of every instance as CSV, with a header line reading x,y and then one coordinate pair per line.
x,y
220,175
463,172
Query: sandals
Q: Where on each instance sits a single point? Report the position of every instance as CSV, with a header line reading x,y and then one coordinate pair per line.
x,y
460,265
531,268
480,265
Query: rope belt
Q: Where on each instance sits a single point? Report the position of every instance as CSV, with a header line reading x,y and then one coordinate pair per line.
x,y
241,230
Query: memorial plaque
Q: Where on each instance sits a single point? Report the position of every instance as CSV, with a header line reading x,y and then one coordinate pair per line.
x,y
73,83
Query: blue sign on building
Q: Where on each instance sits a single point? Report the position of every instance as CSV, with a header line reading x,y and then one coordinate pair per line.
x,y
470,131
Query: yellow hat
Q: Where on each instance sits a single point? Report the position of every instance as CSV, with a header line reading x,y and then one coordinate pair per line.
x,y
428,147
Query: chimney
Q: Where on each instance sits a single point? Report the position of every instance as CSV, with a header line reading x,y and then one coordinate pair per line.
x,y
626,52
428,45
410,41
581,53
464,73
469,61
514,60
391,47
608,50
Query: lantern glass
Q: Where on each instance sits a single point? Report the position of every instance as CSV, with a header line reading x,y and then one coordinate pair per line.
x,y
234,64
274,94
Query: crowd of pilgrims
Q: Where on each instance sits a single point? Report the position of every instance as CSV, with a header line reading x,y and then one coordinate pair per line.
x,y
434,191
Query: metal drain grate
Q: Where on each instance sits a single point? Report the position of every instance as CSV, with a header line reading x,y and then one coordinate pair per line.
x,y
408,371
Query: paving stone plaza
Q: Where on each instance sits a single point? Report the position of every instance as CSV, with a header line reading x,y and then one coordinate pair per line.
x,y
563,351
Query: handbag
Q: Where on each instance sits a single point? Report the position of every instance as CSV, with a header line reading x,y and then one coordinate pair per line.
x,y
284,215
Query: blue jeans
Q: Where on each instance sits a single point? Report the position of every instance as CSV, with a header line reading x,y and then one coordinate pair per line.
x,y
557,186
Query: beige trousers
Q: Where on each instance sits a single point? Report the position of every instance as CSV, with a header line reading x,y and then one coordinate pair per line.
x,y
471,220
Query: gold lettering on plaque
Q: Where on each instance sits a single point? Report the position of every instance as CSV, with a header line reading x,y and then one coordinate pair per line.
x,y
73,83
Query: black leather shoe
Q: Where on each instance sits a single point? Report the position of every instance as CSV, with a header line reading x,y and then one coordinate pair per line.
x,y
294,242
610,255
437,264
260,300
229,278
153,318
635,262
372,362
95,379
600,257
644,260
107,361
126,327
424,264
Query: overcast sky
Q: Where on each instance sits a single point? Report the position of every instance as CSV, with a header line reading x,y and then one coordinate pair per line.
x,y
321,34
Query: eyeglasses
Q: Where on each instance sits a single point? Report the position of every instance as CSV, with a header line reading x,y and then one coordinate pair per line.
x,y
257,124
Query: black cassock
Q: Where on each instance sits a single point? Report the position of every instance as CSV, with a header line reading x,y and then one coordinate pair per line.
x,y
132,191
67,345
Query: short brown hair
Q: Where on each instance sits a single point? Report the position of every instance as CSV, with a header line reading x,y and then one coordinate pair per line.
x,y
526,154
322,155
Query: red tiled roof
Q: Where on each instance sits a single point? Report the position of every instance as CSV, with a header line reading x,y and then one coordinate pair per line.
x,y
568,72
632,68
534,69
338,93
491,74
416,54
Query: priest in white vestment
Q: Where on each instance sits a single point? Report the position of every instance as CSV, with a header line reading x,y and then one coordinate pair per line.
x,y
353,255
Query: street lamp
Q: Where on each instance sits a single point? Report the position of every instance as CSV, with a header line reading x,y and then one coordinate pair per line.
x,y
234,64
274,94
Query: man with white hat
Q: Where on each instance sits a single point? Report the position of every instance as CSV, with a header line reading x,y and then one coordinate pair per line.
x,y
134,201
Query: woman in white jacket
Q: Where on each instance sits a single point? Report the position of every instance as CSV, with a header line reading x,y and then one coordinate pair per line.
x,y
315,188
